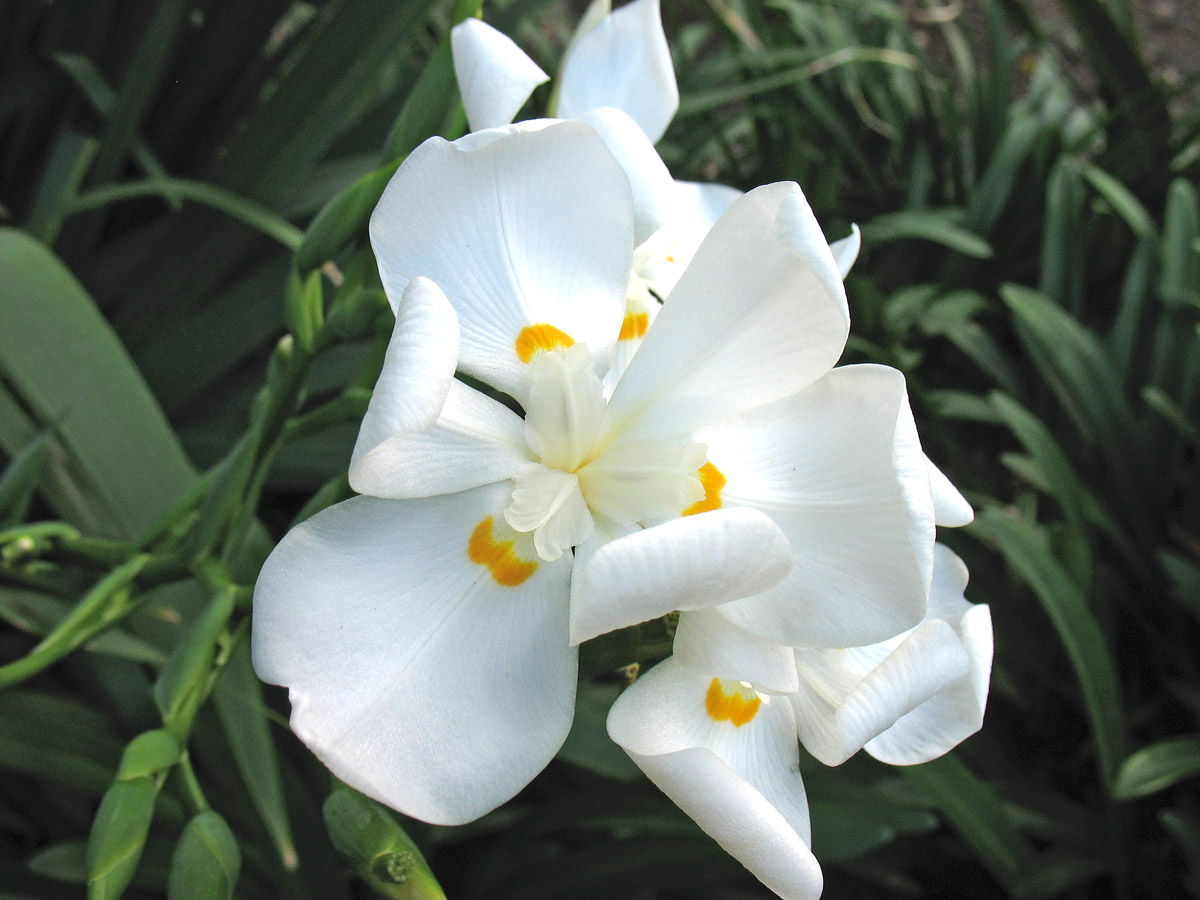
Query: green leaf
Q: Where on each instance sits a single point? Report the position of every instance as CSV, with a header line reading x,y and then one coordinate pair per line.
x,y
976,813
1158,766
123,465
60,740
1062,264
137,88
148,754
1121,199
1179,277
1087,382
939,226
183,680
1037,439
207,861
118,836
1077,628
238,699
20,479
343,218
375,844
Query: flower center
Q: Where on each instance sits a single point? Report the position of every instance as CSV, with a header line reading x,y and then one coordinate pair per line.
x,y
584,466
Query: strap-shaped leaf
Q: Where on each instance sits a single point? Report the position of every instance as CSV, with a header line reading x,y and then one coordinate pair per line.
x,y
121,465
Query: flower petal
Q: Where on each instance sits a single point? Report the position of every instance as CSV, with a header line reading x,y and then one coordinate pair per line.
x,y
710,644
417,368
623,62
845,251
954,714
759,314
475,441
687,563
857,513
703,202
950,507
653,187
528,229
495,76
740,782
847,698
436,684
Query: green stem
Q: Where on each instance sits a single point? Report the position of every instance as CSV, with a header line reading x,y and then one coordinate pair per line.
x,y
257,217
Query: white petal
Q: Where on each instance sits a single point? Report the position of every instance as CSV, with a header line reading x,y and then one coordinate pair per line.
x,y
741,783
954,714
475,441
759,314
823,464
710,644
494,75
414,674
834,724
845,251
912,468
640,482
653,187
660,260
417,368
950,508
688,563
525,225
623,62
548,503
739,818
565,412
703,202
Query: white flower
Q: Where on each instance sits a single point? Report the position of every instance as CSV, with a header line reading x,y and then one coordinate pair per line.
x,y
617,76
908,699
425,631
727,755
715,726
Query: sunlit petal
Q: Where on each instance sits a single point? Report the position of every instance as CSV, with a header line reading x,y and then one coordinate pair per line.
x,y
495,76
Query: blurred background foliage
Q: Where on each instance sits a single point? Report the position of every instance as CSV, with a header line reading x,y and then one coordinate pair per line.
x,y
183,184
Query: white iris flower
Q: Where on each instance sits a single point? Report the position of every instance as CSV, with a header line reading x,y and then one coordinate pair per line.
x,y
716,725
617,76
426,630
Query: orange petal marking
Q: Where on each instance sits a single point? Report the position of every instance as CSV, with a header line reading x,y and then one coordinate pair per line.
x,y
712,481
634,326
540,337
736,707
500,557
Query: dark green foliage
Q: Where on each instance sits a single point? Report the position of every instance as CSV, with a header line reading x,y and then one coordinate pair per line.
x,y
186,288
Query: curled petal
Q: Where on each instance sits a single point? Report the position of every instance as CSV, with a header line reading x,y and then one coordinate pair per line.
x,y
475,441
950,507
954,714
495,76
845,251
623,62
425,653
417,369
849,696
687,563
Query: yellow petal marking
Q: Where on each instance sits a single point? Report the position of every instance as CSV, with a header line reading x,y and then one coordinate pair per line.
x,y
540,337
634,326
712,481
739,705
500,557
